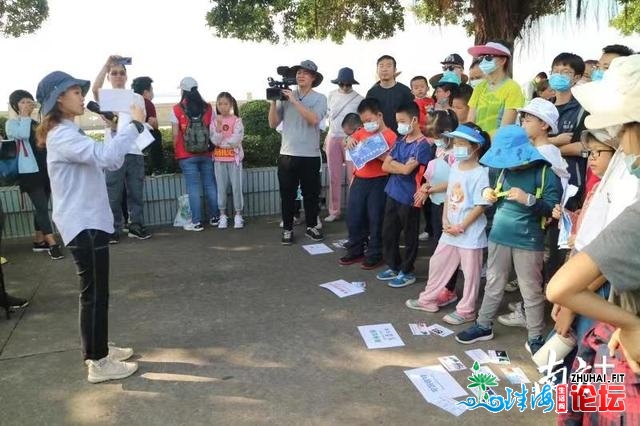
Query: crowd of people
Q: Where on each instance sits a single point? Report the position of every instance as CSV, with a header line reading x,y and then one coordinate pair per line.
x,y
502,176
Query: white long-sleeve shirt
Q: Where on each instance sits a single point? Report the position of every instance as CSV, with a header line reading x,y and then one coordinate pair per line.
x,y
76,165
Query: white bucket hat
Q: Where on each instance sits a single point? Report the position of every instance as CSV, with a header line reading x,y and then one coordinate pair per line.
x,y
615,99
545,111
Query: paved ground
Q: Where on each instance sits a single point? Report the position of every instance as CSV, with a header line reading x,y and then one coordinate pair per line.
x,y
229,327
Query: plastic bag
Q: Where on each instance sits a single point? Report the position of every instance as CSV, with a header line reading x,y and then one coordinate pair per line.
x,y
183,216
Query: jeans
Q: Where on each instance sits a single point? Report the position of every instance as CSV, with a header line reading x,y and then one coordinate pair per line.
x,y
131,175
40,200
90,251
400,219
365,215
198,172
304,171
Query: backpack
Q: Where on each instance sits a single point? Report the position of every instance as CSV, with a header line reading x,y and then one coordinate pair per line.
x,y
196,134
540,179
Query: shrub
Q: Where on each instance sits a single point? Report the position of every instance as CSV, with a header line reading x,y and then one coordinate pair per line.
x,y
261,151
255,118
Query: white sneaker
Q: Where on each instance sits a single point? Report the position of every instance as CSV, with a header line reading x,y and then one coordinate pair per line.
x,y
514,319
196,227
511,286
120,354
223,223
515,306
319,223
238,222
424,236
331,218
108,369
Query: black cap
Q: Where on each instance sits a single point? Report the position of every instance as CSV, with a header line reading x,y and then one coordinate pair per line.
x,y
455,59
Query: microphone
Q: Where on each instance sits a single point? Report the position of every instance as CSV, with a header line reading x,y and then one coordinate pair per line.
x,y
94,107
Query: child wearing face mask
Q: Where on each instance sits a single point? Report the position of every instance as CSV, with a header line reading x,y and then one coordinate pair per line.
x,y
464,236
405,163
420,89
525,193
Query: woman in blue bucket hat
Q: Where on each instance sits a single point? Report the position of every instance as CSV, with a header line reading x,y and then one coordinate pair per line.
x,y
524,193
76,165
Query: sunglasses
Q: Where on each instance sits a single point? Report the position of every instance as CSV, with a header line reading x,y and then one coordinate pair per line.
x,y
115,73
487,57
450,67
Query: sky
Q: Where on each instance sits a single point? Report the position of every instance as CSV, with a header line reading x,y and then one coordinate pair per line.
x,y
170,40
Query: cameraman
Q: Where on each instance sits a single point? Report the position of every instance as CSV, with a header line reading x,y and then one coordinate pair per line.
x,y
300,158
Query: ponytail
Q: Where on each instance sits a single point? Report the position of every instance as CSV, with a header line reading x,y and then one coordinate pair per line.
x,y
232,101
51,120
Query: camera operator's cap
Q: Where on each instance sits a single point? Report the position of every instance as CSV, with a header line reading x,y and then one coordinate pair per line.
x,y
491,48
55,84
188,83
453,59
615,99
309,66
345,76
545,111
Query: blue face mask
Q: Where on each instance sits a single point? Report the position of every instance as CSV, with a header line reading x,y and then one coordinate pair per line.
x,y
461,153
559,82
474,83
488,67
440,143
597,75
404,128
629,161
371,126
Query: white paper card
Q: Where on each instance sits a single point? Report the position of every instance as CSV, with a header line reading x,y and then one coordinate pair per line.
x,y
342,288
116,100
564,224
485,369
419,329
478,355
452,363
439,330
499,357
515,375
314,249
448,404
380,336
144,139
435,382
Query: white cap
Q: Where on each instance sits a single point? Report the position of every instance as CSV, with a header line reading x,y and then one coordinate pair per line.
x,y
188,83
545,111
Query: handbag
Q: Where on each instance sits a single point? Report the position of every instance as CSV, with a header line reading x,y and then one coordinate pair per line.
x,y
8,160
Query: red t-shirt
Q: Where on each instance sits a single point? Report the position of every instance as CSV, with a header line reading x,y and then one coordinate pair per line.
x,y
150,108
423,104
373,168
592,180
179,150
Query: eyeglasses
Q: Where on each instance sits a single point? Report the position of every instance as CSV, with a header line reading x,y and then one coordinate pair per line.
x,y
568,73
595,153
450,67
115,73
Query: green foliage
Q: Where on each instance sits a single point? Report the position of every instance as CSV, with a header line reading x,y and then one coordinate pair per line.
x,y
3,123
255,118
18,17
261,151
628,21
305,19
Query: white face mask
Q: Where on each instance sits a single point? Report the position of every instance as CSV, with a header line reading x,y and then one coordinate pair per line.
x,y
476,82
371,126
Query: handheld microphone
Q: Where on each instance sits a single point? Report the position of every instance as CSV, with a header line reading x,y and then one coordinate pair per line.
x,y
94,107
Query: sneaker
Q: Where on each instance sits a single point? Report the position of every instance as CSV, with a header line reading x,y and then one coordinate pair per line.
x,y
114,238
296,221
14,303
514,319
315,234
287,238
138,231
515,306
387,275
424,236
223,222
331,218
475,333
55,253
109,369
455,318
196,227
238,222
533,345
446,297
318,223
370,264
350,259
214,221
119,354
40,247
402,280
415,304
511,286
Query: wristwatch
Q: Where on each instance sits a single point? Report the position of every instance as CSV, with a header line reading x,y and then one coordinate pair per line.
x,y
531,200
139,125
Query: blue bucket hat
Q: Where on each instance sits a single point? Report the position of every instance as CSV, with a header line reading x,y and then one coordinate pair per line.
x,y
345,76
511,148
467,133
55,84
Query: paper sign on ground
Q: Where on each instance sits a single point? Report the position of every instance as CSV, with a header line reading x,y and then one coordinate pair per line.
x,y
419,329
380,336
314,249
435,382
341,288
367,150
439,330
485,369
515,375
452,363
116,100
478,355
450,405
499,357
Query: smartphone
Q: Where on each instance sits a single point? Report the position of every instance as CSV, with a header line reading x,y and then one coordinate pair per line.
x,y
125,61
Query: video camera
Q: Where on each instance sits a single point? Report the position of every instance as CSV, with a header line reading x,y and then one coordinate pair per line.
x,y
274,91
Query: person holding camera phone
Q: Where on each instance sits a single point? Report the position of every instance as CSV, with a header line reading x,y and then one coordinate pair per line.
x,y
131,174
76,165
300,115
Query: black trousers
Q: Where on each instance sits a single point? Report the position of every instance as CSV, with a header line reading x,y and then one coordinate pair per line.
x,y
90,251
400,218
426,210
40,199
557,256
303,171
